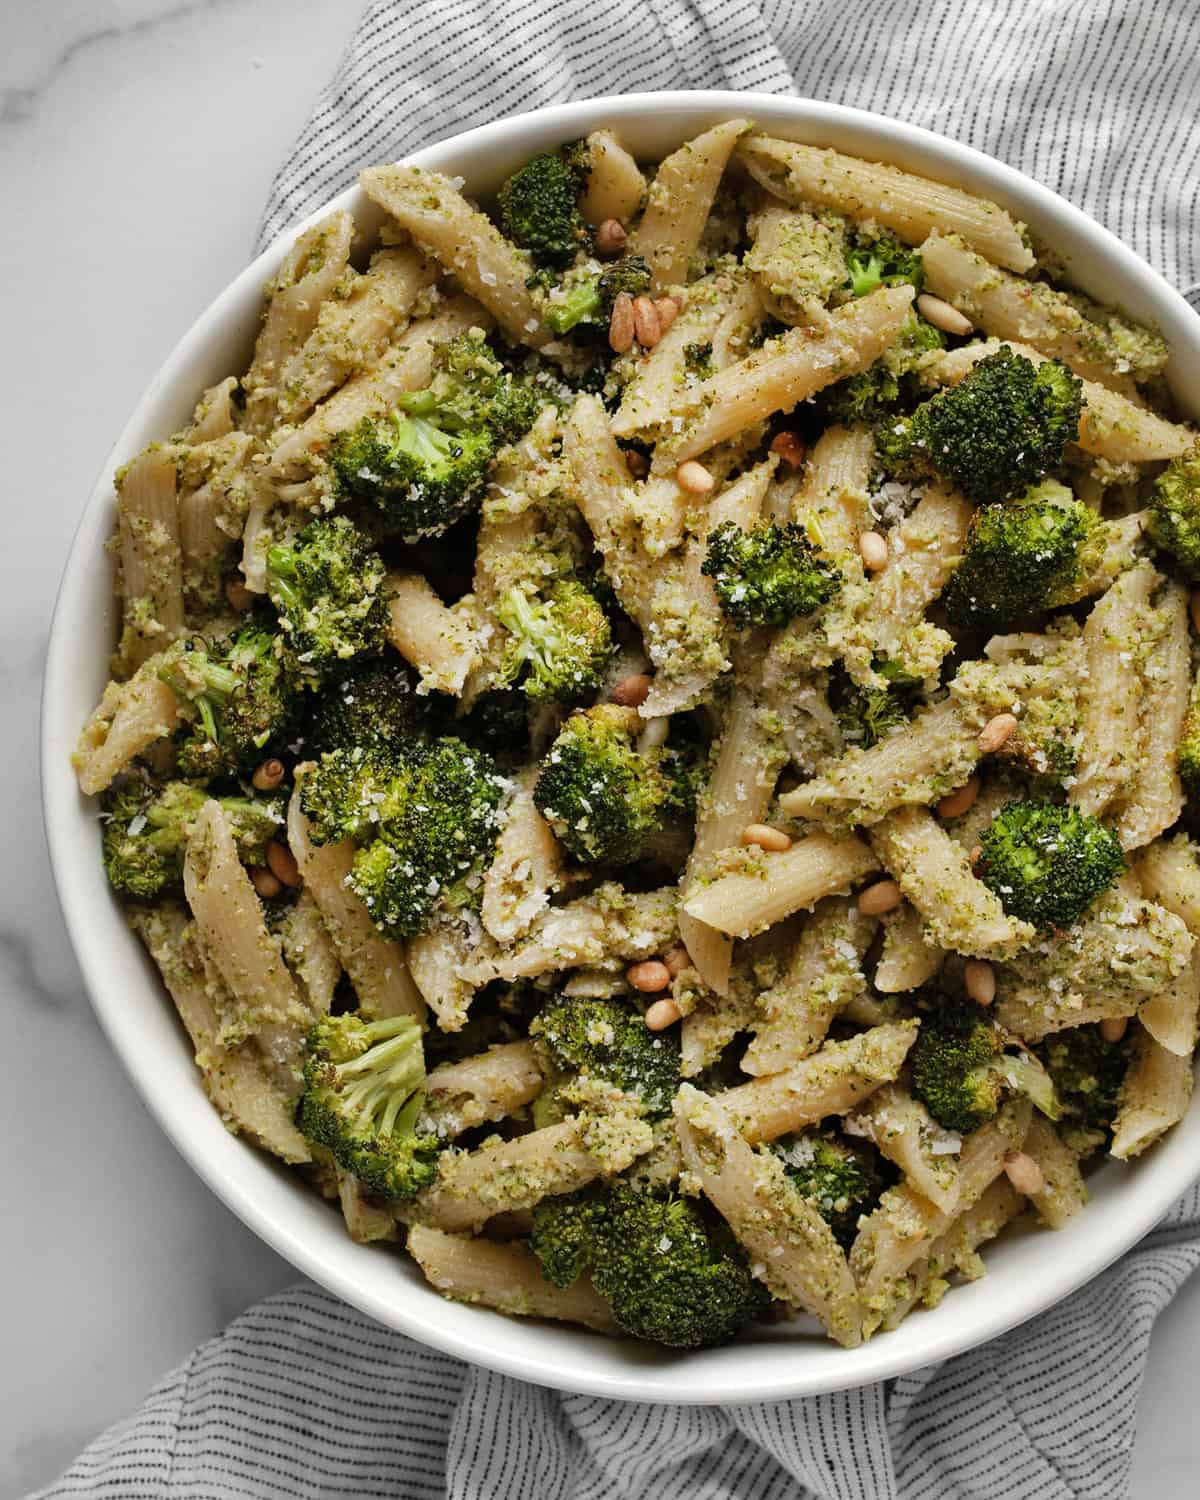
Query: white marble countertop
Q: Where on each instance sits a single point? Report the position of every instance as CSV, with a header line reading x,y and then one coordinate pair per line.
x,y
138,138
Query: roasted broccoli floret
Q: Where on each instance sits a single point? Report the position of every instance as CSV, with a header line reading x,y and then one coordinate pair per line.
x,y
1048,862
145,832
1021,557
882,261
768,575
424,815
371,705
602,798
887,386
558,646
671,1272
1175,512
243,699
363,1092
1001,429
960,1070
424,464
841,1179
584,298
328,586
539,205
609,1040
1087,1073
867,715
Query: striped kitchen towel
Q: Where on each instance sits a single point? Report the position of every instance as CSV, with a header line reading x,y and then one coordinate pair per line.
x,y
303,1397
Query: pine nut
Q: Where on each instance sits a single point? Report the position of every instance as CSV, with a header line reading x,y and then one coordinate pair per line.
x,y
645,322
668,311
976,854
661,1014
239,596
873,549
789,447
694,478
637,463
1024,1173
961,801
649,977
632,692
979,981
1113,1028
766,837
997,732
282,864
620,325
610,237
1195,603
942,315
677,959
883,896
268,776
265,883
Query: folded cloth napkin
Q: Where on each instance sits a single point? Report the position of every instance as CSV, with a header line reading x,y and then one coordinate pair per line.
x,y
302,1396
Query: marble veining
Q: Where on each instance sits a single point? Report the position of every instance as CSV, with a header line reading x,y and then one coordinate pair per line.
x,y
137,141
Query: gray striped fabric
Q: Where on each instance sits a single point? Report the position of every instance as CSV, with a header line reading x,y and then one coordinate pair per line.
x,y
302,1396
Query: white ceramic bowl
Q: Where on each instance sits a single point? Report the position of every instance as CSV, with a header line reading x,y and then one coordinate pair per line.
x,y
1027,1272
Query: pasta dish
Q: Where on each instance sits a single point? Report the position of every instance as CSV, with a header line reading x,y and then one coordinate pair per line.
x,y
651,734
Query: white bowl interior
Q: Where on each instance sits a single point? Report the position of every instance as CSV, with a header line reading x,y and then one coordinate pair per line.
x,y
1027,1271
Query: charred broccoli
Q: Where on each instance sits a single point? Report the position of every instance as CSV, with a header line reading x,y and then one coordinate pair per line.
x,y
1048,862
372,705
609,1040
584,299
1087,1073
539,204
882,261
558,646
1175,512
841,1179
960,1069
768,575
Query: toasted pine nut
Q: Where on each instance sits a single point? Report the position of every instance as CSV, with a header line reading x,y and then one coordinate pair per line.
x,y
873,549
883,896
637,463
677,959
997,732
1024,1173
668,311
620,325
268,776
976,853
767,837
632,692
961,801
1113,1028
649,977
1195,602
646,322
239,596
661,1014
942,315
790,448
979,981
282,864
265,883
694,478
610,237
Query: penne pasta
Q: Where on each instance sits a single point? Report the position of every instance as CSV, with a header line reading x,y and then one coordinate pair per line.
x,y
526,869
907,959
479,1090
923,551
1154,1096
151,557
615,186
436,639
1064,1192
131,718
905,1133
435,960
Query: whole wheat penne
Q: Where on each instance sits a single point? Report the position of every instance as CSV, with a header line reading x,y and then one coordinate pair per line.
x,y
1112,730
215,415
376,965
923,551
310,271
908,959
615,185
506,1277
768,887
435,959
310,954
464,241
1154,1096
526,868
367,1220
1110,426
1064,1192
151,559
503,1176
489,1086
907,1134
130,718
831,503
1168,872
679,201
791,1247
934,872
1153,798
830,1082
236,1081
435,638
909,205
793,367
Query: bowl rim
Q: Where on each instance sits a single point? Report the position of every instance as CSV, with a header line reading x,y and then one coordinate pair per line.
x,y
1159,1179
